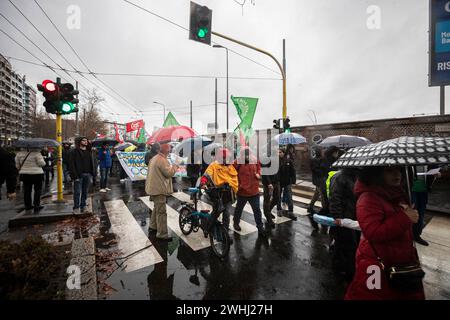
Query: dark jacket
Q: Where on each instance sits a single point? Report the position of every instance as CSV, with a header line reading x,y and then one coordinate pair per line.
x,y
342,200
65,155
287,172
8,170
384,223
75,164
319,171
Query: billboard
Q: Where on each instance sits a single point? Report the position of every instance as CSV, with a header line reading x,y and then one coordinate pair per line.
x,y
439,43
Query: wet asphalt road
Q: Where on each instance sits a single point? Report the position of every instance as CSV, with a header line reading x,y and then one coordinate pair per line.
x,y
292,263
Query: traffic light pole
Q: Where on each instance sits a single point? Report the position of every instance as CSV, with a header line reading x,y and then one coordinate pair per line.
x,y
59,173
283,74
59,161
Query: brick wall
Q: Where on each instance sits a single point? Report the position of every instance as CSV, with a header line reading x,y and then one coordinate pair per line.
x,y
375,130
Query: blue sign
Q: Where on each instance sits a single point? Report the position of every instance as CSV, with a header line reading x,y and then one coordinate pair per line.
x,y
439,43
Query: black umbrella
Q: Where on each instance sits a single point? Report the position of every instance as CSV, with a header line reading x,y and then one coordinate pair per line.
x,y
36,143
345,141
103,141
191,144
403,151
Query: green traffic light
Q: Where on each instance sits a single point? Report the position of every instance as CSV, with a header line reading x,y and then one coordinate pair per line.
x,y
202,32
67,107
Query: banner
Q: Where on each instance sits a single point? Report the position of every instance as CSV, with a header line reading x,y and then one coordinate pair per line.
x,y
142,137
170,121
134,164
135,125
246,108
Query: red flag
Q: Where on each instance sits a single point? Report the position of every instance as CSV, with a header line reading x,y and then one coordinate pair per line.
x,y
118,137
135,125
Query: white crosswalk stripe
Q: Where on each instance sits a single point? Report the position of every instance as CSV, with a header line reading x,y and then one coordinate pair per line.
x,y
195,240
246,228
130,237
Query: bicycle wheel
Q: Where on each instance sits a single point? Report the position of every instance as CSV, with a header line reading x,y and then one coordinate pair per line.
x,y
185,221
220,240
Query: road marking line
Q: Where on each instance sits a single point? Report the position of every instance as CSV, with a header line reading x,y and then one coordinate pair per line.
x,y
196,240
246,228
130,237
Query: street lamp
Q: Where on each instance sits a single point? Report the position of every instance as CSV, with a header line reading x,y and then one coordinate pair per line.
x,y
164,108
219,46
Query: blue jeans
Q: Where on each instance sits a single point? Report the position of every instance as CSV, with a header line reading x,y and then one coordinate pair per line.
x,y
254,203
420,200
287,198
104,177
80,190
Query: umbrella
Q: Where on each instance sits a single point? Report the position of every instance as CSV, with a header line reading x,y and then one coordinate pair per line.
x,y
171,133
130,148
190,144
123,146
403,151
102,141
289,138
345,141
37,143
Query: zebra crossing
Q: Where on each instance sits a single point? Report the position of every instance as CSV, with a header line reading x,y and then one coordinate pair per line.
x,y
132,237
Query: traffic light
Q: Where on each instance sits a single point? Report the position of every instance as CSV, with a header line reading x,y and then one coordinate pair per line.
x,y
59,97
276,124
200,23
50,91
67,99
286,125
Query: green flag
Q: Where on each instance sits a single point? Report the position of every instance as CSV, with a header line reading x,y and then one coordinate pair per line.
x,y
170,121
142,136
246,108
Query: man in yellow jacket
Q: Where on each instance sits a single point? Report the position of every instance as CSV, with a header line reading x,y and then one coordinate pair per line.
x,y
158,186
219,173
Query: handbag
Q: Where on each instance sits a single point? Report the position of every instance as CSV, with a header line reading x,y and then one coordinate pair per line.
x,y
403,277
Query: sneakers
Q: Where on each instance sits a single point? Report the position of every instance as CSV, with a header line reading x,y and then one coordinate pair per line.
x,y
103,190
280,213
419,240
236,227
82,209
107,189
292,216
76,211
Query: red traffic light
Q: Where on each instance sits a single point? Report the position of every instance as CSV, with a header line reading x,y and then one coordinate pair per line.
x,y
49,85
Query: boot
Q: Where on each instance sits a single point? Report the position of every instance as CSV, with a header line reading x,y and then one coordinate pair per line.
x,y
419,240
292,216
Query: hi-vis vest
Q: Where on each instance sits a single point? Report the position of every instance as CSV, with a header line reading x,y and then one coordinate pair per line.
x,y
330,175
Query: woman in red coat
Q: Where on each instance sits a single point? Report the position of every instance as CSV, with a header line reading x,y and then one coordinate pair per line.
x,y
386,222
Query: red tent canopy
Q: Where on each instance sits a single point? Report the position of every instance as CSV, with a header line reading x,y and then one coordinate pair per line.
x,y
172,133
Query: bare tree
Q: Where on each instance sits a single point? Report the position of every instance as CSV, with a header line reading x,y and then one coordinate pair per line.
x,y
91,121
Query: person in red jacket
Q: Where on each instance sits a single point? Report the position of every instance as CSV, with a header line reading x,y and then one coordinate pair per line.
x,y
386,222
249,173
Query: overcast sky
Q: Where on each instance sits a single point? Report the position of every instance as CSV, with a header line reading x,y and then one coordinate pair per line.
x,y
336,65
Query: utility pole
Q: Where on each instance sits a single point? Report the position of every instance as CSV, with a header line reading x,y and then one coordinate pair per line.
x,y
442,104
191,113
215,107
77,128
283,74
284,56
